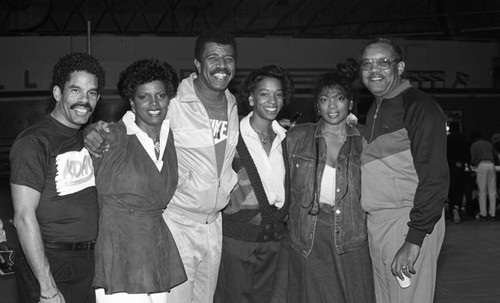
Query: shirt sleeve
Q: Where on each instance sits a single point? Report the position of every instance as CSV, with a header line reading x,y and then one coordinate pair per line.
x,y
28,162
426,125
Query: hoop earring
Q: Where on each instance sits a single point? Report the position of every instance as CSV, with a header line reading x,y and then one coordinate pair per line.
x,y
351,119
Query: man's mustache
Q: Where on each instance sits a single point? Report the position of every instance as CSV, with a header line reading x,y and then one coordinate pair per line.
x,y
82,104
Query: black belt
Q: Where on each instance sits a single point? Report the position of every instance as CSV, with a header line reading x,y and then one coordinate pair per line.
x,y
88,245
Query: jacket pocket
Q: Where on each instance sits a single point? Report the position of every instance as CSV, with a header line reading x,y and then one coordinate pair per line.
x,y
301,227
302,172
405,190
228,182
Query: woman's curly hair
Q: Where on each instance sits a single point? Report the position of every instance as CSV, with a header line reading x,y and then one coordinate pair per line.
x,y
145,71
342,77
269,71
76,62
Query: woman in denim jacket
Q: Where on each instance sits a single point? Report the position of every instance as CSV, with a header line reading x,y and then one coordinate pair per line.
x,y
329,257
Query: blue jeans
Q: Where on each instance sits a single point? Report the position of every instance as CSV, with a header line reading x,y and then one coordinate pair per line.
x,y
73,272
326,276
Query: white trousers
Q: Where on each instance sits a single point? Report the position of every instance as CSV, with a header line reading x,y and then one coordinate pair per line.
x,y
200,247
123,297
486,179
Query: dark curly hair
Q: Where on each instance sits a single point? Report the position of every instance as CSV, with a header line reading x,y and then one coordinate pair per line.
x,y
219,37
76,62
145,71
342,77
269,71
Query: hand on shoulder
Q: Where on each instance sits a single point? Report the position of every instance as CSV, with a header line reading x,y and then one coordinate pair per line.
x,y
94,138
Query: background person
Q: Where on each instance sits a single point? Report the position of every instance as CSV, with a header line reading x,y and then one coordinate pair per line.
x,y
405,177
329,258
495,140
483,159
253,223
457,155
136,257
53,190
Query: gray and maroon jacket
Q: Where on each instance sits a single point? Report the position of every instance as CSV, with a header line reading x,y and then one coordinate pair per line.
x,y
403,164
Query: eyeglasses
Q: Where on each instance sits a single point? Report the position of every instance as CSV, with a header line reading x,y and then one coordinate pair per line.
x,y
382,64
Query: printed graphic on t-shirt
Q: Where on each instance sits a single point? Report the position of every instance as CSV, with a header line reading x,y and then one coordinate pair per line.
x,y
219,130
75,172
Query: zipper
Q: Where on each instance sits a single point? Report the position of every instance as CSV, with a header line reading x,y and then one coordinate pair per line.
x,y
215,204
229,111
204,109
374,119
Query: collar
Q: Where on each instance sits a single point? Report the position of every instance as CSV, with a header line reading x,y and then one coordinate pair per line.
x,y
66,130
350,130
399,89
133,129
247,130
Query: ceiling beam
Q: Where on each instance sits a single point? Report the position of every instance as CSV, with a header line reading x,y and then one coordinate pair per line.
x,y
258,13
138,11
319,11
231,11
108,9
289,14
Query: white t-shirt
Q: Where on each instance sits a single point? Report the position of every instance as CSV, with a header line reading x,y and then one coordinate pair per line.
x,y
328,183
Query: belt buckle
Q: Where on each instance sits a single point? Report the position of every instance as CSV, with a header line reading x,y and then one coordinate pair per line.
x,y
84,245
80,246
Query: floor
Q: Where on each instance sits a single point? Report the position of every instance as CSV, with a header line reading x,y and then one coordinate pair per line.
x,y
468,268
469,264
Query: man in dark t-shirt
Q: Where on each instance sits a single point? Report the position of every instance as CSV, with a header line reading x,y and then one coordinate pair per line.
x,y
53,190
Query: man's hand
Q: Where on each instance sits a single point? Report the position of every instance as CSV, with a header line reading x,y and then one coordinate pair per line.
x,y
404,260
286,123
93,138
57,299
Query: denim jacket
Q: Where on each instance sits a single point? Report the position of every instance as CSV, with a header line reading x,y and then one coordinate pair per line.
x,y
350,223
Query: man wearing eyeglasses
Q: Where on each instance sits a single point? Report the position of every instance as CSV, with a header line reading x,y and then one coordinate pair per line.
x,y
405,177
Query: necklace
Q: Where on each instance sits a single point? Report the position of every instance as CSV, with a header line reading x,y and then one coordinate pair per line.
x,y
264,139
157,147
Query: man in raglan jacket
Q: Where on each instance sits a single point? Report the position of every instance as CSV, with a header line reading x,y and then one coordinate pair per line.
x,y
405,177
